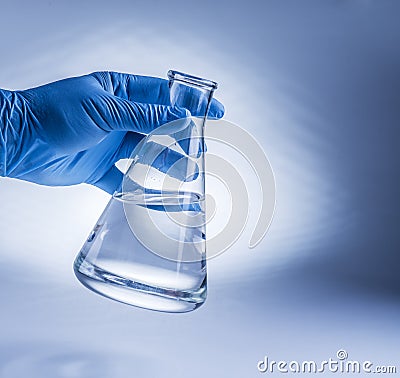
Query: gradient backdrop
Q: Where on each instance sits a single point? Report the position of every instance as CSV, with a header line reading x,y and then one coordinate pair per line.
x,y
317,83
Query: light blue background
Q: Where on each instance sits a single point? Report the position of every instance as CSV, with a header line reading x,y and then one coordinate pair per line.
x,y
317,83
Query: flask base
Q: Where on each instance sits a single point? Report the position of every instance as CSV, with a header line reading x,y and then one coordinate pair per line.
x,y
139,294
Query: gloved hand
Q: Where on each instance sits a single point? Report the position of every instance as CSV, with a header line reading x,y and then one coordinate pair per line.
x,y
74,130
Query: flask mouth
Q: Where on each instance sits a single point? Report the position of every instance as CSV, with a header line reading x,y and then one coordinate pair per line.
x,y
192,80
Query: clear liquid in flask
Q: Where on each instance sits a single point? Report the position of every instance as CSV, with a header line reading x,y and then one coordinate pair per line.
x,y
126,260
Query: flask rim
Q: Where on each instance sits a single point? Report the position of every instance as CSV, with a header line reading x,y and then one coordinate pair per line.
x,y
192,80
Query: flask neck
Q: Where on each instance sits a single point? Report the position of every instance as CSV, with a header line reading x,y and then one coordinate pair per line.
x,y
191,92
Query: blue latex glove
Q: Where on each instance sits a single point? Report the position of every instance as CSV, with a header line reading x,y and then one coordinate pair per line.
x,y
74,130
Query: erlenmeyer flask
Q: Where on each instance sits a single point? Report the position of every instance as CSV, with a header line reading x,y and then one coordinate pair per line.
x,y
148,248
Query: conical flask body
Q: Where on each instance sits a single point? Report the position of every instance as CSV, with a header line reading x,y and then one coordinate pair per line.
x,y
115,263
